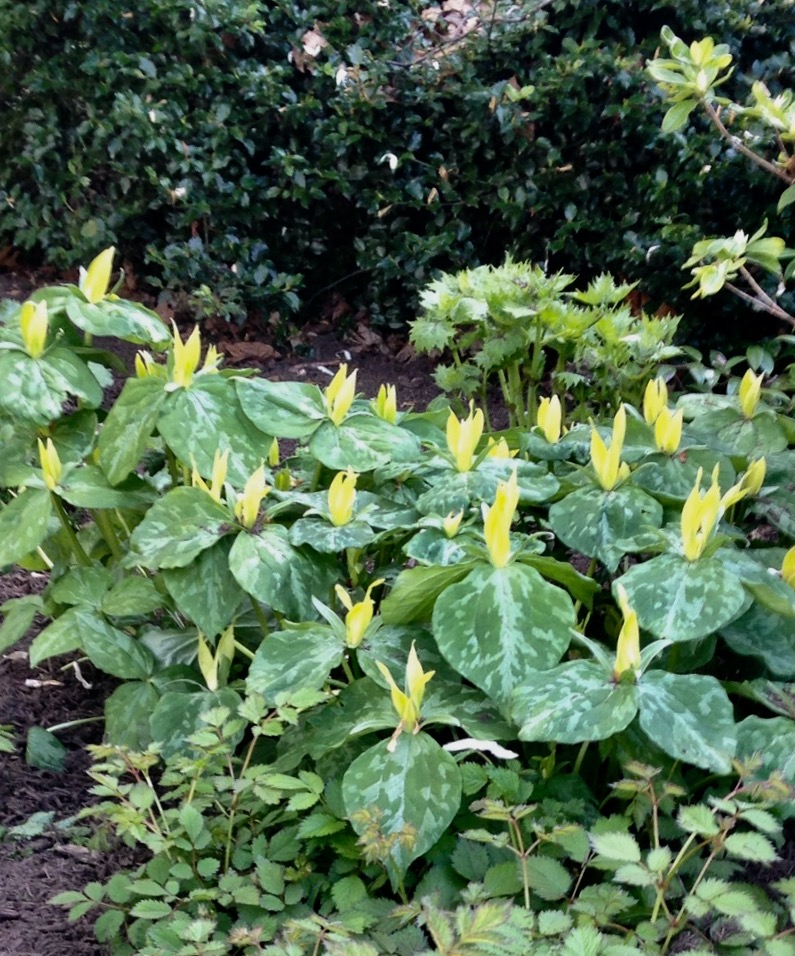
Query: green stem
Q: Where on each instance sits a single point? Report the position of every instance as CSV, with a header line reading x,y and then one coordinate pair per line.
x,y
173,469
79,552
260,616
75,723
580,756
105,525
316,475
347,668
244,650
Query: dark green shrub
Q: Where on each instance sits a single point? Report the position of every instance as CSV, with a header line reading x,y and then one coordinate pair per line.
x,y
203,139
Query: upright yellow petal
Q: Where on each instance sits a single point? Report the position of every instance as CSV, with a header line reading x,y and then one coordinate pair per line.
x,y
273,454
208,664
247,505
409,717
95,280
754,477
497,521
342,497
691,521
788,568
218,477
668,430
360,616
463,437
340,394
750,392
550,418
628,647
655,399
385,405
50,463
34,323
607,462
452,522
186,356
416,679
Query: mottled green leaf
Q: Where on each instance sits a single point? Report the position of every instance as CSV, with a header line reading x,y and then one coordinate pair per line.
x,y
82,586
178,715
115,652
131,597
328,538
23,524
454,490
772,741
18,614
761,633
690,717
44,751
358,443
290,660
681,600
409,796
205,590
574,702
87,487
499,626
62,636
178,527
127,713
432,546
120,319
128,428
283,409
415,592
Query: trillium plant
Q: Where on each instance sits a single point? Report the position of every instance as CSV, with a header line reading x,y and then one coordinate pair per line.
x,y
563,596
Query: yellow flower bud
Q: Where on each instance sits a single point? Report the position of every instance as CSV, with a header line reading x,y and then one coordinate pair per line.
x,y
550,418
628,647
463,436
342,497
34,323
95,280
788,568
211,360
50,464
749,392
668,430
247,504
143,364
754,477
283,480
186,356
655,399
500,449
452,522
359,615
408,703
699,516
385,405
273,454
607,464
497,521
214,666
218,477
340,394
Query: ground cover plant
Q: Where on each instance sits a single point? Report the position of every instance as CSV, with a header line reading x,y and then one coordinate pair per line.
x,y
367,701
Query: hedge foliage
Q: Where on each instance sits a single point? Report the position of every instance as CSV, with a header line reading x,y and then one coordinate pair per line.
x,y
248,146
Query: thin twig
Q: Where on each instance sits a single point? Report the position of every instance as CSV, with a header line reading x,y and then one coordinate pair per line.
x,y
740,146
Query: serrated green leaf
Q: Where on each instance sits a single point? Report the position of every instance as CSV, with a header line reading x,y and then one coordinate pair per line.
x,y
318,825
617,847
192,820
347,892
750,846
547,877
697,819
150,909
553,922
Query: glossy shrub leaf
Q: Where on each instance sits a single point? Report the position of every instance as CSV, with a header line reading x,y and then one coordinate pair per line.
x,y
127,713
415,592
205,590
408,797
283,409
681,600
595,522
270,569
128,428
499,626
572,703
689,717
23,524
290,660
177,528
207,417
177,715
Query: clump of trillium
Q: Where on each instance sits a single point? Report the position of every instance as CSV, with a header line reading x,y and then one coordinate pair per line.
x,y
183,363
247,503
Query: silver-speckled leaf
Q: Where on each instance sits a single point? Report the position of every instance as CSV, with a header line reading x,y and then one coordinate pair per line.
x,y
283,409
128,428
205,590
23,524
288,661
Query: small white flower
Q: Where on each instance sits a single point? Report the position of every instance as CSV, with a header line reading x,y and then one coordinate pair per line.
x,y
391,159
180,192
152,116
341,76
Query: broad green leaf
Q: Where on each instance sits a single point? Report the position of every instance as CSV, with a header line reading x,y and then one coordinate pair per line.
x,y
85,586
132,596
431,546
176,716
761,633
390,644
128,428
770,740
62,636
415,592
580,587
87,487
453,490
171,646
728,430
689,717
671,479
207,417
595,521
63,367
120,319
127,713
574,702
616,846
270,569
328,538
283,409
205,590
74,436
681,600
23,524
178,527
358,443
18,614
115,652
499,626
409,796
30,392
44,751
288,661
678,115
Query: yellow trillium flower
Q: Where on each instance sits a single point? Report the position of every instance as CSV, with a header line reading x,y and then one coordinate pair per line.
x,y
247,504
655,399
788,568
212,665
385,404
497,521
144,364
700,514
452,522
34,323
217,479
749,392
212,360
186,356
342,497
628,647
408,703
359,615
668,430
500,449
340,394
607,464
754,477
463,436
50,463
95,280
550,418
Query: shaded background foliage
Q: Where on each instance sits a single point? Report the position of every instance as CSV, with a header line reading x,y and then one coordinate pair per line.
x,y
204,139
